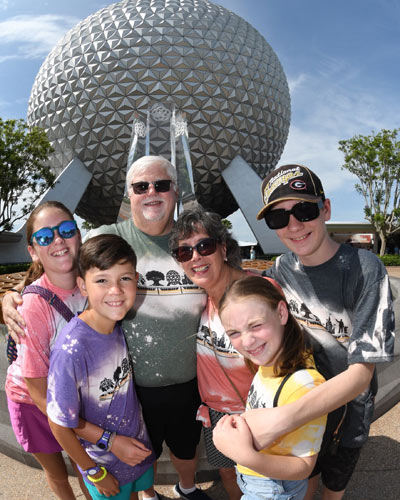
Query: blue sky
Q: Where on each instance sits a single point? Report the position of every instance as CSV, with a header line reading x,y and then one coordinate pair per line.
x,y
341,59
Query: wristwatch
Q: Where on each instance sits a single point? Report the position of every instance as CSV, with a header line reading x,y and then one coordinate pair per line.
x,y
92,471
103,442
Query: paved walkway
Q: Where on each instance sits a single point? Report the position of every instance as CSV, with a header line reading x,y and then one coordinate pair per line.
x,y
377,476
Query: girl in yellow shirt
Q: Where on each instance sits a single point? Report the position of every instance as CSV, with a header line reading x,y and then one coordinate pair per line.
x,y
259,325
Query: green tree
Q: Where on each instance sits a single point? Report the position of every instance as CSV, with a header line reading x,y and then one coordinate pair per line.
x,y
87,226
24,175
227,223
375,160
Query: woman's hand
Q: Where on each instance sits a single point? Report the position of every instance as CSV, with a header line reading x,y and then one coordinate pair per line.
x,y
129,450
233,438
12,319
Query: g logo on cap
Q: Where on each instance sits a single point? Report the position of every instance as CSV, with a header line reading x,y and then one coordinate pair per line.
x,y
298,185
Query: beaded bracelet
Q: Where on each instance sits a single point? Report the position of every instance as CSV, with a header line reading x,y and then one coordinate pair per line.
x,y
99,478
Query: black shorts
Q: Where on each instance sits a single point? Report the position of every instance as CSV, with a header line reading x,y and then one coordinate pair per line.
x,y
214,456
336,469
170,416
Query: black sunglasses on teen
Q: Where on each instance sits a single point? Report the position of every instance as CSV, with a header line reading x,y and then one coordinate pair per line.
x,y
204,247
304,211
162,186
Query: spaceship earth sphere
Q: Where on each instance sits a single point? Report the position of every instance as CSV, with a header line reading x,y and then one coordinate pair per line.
x,y
210,62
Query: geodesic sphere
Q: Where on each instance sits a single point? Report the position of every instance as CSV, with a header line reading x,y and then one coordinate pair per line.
x,y
214,66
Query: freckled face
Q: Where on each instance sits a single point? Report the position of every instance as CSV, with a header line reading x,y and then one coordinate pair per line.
x,y
255,329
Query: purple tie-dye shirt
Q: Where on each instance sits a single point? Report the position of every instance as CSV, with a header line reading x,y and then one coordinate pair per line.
x,y
90,376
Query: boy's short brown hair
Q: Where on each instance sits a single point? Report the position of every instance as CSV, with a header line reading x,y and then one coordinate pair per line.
x,y
104,251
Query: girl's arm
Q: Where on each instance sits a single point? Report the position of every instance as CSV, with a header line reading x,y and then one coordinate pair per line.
x,y
268,424
67,439
37,388
233,438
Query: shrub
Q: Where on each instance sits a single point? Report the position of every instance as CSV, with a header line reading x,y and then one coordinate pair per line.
x,y
390,259
14,268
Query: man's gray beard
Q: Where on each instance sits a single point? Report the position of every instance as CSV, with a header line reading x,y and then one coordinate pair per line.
x,y
152,217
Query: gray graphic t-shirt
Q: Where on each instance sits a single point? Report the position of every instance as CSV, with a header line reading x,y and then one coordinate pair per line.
x,y
348,296
161,328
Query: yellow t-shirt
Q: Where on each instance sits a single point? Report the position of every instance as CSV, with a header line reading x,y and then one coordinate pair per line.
x,y
305,440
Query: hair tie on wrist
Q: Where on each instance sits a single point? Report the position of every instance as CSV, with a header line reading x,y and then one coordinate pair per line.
x,y
99,478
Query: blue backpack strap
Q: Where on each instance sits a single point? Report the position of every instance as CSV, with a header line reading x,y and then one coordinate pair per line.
x,y
11,349
52,299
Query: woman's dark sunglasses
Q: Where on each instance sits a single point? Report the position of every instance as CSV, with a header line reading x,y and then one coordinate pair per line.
x,y
44,236
203,247
303,211
160,186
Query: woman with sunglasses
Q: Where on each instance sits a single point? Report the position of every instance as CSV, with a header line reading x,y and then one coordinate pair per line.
x,y
53,244
211,259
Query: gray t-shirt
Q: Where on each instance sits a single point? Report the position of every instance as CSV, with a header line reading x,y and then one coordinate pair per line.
x,y
161,327
348,296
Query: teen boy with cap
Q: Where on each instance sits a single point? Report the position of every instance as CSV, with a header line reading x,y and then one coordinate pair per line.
x,y
342,289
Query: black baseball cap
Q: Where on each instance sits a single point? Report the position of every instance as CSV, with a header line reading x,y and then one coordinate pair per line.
x,y
290,182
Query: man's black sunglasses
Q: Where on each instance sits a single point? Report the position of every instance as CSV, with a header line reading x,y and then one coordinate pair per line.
x,y
204,247
304,211
161,186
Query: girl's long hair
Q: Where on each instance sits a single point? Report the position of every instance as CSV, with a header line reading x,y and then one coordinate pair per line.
x,y
294,353
36,270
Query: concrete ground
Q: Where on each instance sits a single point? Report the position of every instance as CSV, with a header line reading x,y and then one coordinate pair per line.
x,y
377,476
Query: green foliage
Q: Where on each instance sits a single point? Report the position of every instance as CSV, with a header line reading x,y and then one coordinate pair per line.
x,y
87,226
390,259
227,223
14,268
269,256
375,160
24,176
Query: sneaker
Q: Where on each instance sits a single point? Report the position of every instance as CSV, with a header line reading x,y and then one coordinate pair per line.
x,y
197,494
158,496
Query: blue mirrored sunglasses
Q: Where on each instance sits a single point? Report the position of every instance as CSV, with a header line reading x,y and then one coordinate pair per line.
x,y
44,236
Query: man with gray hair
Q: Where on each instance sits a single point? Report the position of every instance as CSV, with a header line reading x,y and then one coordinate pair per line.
x,y
161,328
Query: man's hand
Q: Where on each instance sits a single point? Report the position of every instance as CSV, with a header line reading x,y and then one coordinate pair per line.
x,y
108,486
12,319
129,450
233,438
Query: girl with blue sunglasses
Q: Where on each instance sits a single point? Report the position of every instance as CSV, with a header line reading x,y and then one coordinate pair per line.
x,y
53,244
